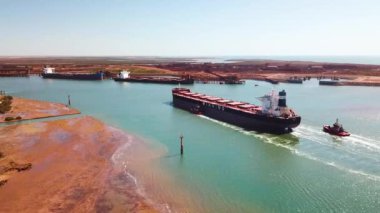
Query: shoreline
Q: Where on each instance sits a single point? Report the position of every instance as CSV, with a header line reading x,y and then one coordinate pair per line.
x,y
345,80
72,168
170,161
277,70
139,160
29,109
64,164
44,165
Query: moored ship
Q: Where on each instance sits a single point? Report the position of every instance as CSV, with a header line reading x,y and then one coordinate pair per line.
x,y
294,80
273,116
49,72
125,77
332,82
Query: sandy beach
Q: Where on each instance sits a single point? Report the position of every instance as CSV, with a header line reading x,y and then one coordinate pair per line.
x,y
31,109
71,168
77,164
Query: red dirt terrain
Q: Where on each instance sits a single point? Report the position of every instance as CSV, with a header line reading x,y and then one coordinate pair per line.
x,y
64,166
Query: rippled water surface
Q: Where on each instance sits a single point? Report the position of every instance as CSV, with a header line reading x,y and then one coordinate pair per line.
x,y
226,168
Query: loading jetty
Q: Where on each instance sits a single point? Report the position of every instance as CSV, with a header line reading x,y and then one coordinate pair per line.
x,y
294,80
222,79
272,81
9,70
273,116
234,82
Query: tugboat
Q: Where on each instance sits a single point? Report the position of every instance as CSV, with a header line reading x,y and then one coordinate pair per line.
x,y
336,129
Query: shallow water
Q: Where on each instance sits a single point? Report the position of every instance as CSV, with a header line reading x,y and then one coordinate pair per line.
x,y
228,169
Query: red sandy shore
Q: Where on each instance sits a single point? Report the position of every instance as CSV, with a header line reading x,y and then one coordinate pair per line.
x,y
71,168
355,74
32,109
350,80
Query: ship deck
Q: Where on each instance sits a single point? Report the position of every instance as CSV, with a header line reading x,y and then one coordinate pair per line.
x,y
236,105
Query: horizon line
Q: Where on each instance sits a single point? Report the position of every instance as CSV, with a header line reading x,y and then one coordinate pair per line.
x,y
191,56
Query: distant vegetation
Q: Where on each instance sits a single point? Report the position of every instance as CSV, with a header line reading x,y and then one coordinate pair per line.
x,y
5,104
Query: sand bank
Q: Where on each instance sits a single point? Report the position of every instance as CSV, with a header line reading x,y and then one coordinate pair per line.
x,y
31,109
71,169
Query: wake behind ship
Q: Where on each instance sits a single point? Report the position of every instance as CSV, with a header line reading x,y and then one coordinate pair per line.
x,y
273,116
49,72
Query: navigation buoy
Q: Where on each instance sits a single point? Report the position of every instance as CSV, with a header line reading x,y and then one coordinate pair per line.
x,y
181,138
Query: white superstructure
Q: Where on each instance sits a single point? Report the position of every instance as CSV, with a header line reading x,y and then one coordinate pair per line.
x,y
269,104
124,74
48,70
275,104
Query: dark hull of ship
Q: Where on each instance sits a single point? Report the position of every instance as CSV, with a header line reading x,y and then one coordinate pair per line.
x,y
96,76
271,81
156,81
329,83
248,121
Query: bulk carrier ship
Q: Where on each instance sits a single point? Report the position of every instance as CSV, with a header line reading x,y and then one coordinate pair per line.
x,y
273,116
49,72
125,77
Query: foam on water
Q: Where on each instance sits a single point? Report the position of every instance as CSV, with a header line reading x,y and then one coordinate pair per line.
x,y
242,188
119,159
353,148
334,164
268,138
364,141
317,135
356,145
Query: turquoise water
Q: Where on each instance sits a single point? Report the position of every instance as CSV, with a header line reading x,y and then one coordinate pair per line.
x,y
228,169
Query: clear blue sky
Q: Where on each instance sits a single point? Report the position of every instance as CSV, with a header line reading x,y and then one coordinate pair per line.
x,y
189,27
